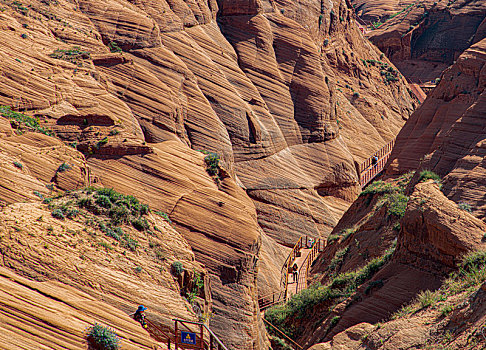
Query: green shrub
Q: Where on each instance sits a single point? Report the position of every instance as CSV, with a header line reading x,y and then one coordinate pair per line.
x,y
397,204
18,165
379,187
58,214
212,163
103,201
63,167
38,194
138,269
177,268
464,206
103,338
140,224
428,174
356,95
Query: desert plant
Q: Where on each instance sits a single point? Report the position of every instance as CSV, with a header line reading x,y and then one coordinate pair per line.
x,y
212,163
18,165
397,204
102,338
103,201
177,268
58,214
464,206
428,174
63,167
428,298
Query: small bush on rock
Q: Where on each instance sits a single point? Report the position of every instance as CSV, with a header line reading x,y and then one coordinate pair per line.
x,y
177,268
103,338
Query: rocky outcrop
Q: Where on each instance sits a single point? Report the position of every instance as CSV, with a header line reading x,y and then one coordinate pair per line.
x,y
443,135
424,38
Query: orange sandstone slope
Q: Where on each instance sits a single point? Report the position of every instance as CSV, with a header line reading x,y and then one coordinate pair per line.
x,y
437,224
279,89
424,37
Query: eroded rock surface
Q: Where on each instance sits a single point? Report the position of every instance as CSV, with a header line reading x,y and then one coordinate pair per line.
x,y
423,38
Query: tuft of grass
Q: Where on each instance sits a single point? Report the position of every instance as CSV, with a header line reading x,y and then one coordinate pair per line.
x,y
428,298
63,167
428,174
464,206
177,268
18,165
103,338
58,214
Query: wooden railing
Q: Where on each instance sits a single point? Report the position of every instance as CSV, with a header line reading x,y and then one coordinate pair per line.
x,y
284,279
368,170
306,265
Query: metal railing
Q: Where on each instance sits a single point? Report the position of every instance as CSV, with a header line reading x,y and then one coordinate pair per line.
x,y
282,333
306,265
270,299
368,170
169,338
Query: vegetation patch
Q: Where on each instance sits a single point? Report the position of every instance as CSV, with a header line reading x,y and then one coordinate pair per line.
x,y
22,122
429,175
103,338
74,55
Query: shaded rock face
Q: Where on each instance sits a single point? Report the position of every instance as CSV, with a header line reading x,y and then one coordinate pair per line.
x,y
426,38
445,132
279,89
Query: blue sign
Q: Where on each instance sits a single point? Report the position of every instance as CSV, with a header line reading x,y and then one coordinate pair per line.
x,y
188,338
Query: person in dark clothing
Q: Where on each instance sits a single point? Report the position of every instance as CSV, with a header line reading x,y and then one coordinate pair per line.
x,y
140,316
374,160
294,272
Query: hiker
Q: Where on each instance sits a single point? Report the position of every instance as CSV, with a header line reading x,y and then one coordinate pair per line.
x,y
140,316
374,160
294,272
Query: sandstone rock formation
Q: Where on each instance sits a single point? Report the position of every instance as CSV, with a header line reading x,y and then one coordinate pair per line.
x,y
444,133
279,89
52,315
423,38
442,222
